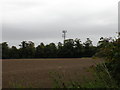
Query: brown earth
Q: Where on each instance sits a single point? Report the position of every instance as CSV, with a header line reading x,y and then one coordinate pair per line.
x,y
36,72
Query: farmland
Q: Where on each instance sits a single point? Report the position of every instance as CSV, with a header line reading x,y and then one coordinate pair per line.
x,y
36,72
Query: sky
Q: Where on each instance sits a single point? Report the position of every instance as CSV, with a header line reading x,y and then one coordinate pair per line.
x,y
43,20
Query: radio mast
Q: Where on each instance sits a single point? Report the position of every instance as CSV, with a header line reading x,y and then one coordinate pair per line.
x,y
64,34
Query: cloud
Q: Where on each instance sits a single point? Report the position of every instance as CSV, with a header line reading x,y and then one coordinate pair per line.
x,y
44,20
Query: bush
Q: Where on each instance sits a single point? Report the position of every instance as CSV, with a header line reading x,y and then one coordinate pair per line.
x,y
110,50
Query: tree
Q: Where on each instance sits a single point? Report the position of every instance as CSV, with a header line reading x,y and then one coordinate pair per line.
x,y
5,50
22,50
78,51
30,49
40,51
27,49
68,48
89,49
109,49
59,49
51,50
14,53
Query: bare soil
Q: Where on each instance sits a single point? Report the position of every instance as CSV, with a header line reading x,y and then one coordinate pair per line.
x,y
36,72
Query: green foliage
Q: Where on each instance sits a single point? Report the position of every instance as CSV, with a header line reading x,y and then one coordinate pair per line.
x,y
40,51
20,84
14,52
70,49
110,50
27,50
102,79
89,49
5,50
107,74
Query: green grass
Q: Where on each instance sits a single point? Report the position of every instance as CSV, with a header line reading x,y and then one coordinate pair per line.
x,y
20,84
102,79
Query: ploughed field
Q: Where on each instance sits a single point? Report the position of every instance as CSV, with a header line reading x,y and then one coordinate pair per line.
x,y
37,72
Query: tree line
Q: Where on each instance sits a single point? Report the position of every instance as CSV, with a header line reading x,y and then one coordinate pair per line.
x,y
69,49
107,48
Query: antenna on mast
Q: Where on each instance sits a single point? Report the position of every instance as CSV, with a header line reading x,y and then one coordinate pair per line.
x,y
64,34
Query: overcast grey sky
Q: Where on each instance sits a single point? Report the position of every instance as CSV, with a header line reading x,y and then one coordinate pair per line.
x,y
44,20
